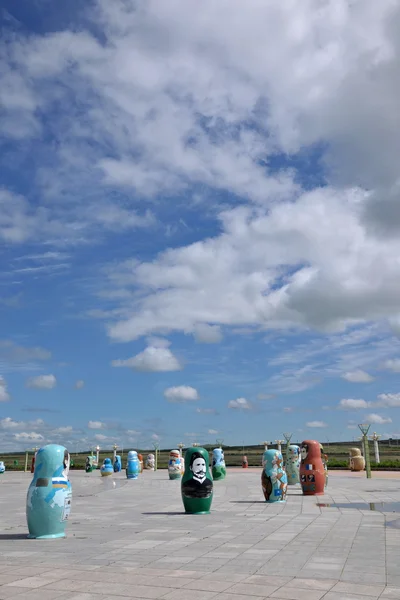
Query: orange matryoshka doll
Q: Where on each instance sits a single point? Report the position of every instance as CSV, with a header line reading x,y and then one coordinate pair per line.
x,y
312,471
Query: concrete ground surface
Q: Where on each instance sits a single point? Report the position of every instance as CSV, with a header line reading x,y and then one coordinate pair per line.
x,y
131,539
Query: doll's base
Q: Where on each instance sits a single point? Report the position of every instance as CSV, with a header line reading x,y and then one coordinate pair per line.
x,y
204,512
46,537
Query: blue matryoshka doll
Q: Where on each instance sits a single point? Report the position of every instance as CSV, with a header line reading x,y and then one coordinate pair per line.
x,y
293,464
48,502
117,464
106,468
133,465
273,478
218,464
2,467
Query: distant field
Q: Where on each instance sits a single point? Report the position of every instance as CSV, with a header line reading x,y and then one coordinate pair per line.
x,y
337,452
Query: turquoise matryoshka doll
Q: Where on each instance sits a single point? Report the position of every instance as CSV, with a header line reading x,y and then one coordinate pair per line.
x,y
2,467
293,464
218,464
48,501
197,484
106,468
133,465
273,478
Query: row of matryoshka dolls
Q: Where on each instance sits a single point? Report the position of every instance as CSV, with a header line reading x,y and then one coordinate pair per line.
x,y
305,464
176,467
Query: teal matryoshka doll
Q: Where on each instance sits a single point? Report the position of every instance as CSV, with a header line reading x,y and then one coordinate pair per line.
x,y
273,478
133,465
106,468
197,484
218,464
293,464
48,502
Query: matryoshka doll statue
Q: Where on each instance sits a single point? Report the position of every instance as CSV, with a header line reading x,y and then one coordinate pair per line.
x,y
140,457
218,464
312,471
324,458
293,464
356,461
133,465
174,465
150,462
106,468
273,477
197,485
48,501
117,464
245,462
2,467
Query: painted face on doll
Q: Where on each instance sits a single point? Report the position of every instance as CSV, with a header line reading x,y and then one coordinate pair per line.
x,y
199,468
304,452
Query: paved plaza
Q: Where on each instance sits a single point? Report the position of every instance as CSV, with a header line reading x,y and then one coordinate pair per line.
x,y
131,539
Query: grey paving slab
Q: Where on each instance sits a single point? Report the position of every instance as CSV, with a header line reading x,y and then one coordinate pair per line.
x,y
132,540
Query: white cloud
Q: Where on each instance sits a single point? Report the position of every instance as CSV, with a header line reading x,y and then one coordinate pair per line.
x,y
95,425
42,382
12,352
358,376
79,384
353,404
66,429
207,411
240,404
387,401
185,95
212,431
207,334
155,437
99,437
263,396
32,437
9,423
316,424
350,426
378,419
181,394
392,364
4,395
152,359
133,432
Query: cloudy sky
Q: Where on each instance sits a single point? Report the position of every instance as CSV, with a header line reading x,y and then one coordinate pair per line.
x,y
199,221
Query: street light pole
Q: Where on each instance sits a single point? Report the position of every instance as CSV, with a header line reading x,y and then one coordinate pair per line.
x,y
364,428
288,437
375,437
156,447
279,444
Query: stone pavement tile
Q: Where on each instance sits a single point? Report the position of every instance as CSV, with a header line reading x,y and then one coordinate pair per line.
x,y
231,577
311,584
286,593
8,578
31,582
267,580
252,589
358,588
391,593
208,585
40,594
192,595
229,596
347,596
10,592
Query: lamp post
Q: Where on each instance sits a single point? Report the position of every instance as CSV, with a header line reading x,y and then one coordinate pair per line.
x,y
156,446
375,437
181,446
26,460
115,452
219,442
279,444
97,454
364,428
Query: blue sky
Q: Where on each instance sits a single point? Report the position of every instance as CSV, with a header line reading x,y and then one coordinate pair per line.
x,y
198,222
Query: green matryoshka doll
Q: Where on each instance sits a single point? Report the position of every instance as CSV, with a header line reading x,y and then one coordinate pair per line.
x,y
197,483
